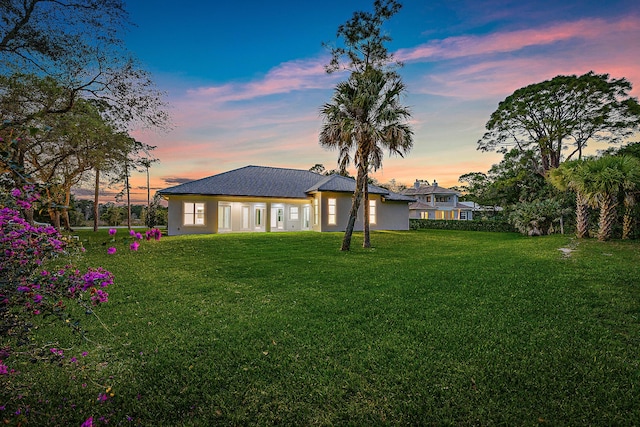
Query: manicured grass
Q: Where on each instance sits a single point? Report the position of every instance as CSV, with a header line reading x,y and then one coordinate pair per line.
x,y
428,328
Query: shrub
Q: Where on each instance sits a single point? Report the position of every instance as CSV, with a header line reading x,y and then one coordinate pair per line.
x,y
474,225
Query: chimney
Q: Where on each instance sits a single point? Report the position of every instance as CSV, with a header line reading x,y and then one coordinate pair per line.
x,y
416,184
435,183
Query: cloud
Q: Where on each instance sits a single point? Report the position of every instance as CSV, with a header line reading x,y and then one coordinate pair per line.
x,y
175,180
512,41
285,78
494,65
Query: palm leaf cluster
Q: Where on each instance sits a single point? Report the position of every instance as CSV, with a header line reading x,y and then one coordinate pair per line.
x,y
601,183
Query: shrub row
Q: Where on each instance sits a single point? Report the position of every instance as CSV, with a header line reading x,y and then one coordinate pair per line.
x,y
475,225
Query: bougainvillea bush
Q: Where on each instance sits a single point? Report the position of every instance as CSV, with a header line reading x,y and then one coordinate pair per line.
x,y
40,286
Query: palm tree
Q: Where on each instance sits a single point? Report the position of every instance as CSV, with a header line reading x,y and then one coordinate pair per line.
x,y
606,179
630,186
570,176
365,117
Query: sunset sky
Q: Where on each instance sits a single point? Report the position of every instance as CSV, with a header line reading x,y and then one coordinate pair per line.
x,y
245,79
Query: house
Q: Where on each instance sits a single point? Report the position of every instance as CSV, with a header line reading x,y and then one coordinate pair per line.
x,y
435,202
268,199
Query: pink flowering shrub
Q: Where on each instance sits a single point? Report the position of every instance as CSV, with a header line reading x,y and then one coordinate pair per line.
x,y
23,277
134,238
32,284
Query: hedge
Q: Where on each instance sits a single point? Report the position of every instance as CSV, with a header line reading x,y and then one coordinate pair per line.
x,y
474,225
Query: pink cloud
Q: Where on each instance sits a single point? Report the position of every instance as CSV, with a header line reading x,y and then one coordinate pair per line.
x,y
501,42
285,78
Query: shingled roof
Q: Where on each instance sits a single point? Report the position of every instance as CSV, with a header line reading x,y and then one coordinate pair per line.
x,y
261,181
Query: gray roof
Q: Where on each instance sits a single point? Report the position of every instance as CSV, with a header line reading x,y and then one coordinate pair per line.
x,y
428,189
261,181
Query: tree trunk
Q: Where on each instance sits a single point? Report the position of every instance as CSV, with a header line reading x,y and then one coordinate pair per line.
x,y
607,217
65,211
126,183
627,221
582,217
366,243
96,193
353,214
148,194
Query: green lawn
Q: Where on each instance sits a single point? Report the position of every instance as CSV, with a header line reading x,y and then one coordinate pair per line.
x,y
429,327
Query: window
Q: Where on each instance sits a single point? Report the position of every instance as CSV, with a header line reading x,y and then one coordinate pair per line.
x,y
442,199
245,217
306,213
331,217
424,215
293,213
316,212
193,213
258,218
463,215
224,217
372,211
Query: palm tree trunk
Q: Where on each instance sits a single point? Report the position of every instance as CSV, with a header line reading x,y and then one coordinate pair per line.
x,y
366,243
353,214
627,221
607,217
582,216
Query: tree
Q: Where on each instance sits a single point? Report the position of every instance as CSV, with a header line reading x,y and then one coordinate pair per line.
x,y
570,176
559,117
77,45
134,156
607,180
364,42
366,113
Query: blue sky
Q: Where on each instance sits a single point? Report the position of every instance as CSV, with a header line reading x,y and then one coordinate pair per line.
x,y
245,82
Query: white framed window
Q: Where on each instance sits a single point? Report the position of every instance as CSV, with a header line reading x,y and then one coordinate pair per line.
x,y
245,217
193,213
258,219
372,212
306,214
316,211
224,217
332,214
463,215
293,213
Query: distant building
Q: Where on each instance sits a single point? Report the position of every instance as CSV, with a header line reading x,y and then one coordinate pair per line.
x,y
435,202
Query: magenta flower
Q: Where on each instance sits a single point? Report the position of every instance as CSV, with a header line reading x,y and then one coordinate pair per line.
x,y
88,422
16,192
112,231
111,250
138,236
132,233
134,246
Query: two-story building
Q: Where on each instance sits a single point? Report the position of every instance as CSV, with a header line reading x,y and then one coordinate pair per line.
x,y
435,202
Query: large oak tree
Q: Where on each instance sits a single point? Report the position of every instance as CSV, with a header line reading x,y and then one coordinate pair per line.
x,y
558,118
